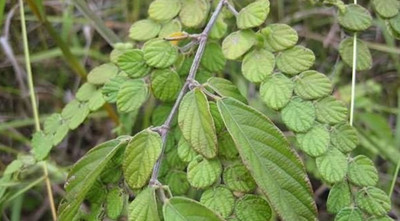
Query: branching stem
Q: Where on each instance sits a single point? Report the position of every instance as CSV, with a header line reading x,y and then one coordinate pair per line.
x,y
164,129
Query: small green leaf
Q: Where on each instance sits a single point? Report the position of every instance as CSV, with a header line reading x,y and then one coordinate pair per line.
x,y
165,84
253,15
133,64
219,199
164,10
362,171
185,151
111,88
140,156
344,137
276,91
169,28
238,179
364,58
386,8
159,53
312,85
144,206
257,65
315,142
349,214
271,162
202,173
354,18
339,197
119,49
332,165
219,29
75,113
237,44
114,202
225,88
226,147
381,218
96,101
132,95
184,209
194,12
373,201
56,126
331,111
41,145
213,59
218,122
299,115
144,30
395,23
196,123
177,182
85,92
13,167
295,60
174,161
279,37
102,73
253,208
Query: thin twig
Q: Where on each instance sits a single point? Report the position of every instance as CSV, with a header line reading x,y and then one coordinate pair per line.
x,y
231,8
164,129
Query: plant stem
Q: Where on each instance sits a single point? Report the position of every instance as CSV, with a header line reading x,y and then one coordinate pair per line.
x,y
353,78
34,104
192,74
397,143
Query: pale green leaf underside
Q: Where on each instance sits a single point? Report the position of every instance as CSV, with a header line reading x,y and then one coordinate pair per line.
x,y
295,60
144,30
339,197
132,95
202,173
74,113
276,91
275,167
299,115
102,73
184,209
362,172
237,44
164,10
194,12
355,18
312,85
279,37
373,201
219,199
144,206
253,15
252,207
257,65
332,165
386,8
364,58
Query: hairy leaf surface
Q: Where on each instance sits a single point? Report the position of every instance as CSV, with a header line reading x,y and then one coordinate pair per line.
x,y
257,65
225,88
355,18
295,60
339,197
279,37
237,44
299,115
164,10
332,165
312,85
132,95
194,12
362,171
253,15
133,64
373,201
364,58
159,53
253,207
219,199
276,91
202,173
144,30
144,206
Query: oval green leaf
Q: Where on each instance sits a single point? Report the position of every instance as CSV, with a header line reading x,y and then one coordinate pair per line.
x,y
159,53
362,171
295,60
164,10
253,15
257,65
276,91
202,173
331,111
165,84
253,208
354,17
219,199
133,64
144,30
299,115
311,85
332,165
237,44
184,209
364,58
279,37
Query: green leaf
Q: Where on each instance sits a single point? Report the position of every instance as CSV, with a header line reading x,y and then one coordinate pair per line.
x,y
331,111
339,197
185,151
85,173
395,23
354,18
184,209
177,182
202,173
140,156
41,145
144,206
96,101
276,91
362,171
11,168
386,8
373,201
238,179
257,65
111,88
277,170
102,73
219,199
312,85
218,122
364,58
237,44
114,202
119,49
332,165
85,92
194,12
196,123
56,126
174,161
225,88
299,115
295,60
226,147
133,64
165,84
169,28
344,137
144,30
132,95
252,208
159,53
349,214
75,113
213,59
219,29
253,15
279,37
164,10
315,142
381,218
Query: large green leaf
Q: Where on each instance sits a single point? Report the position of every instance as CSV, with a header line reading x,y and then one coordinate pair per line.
x,y
85,173
312,85
295,60
386,8
373,201
196,123
219,199
362,171
164,10
225,88
355,18
184,209
144,206
132,95
253,208
144,30
276,91
257,65
332,165
194,12
237,44
133,64
159,53
299,115
277,170
253,15
140,156
364,58
279,37
165,84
